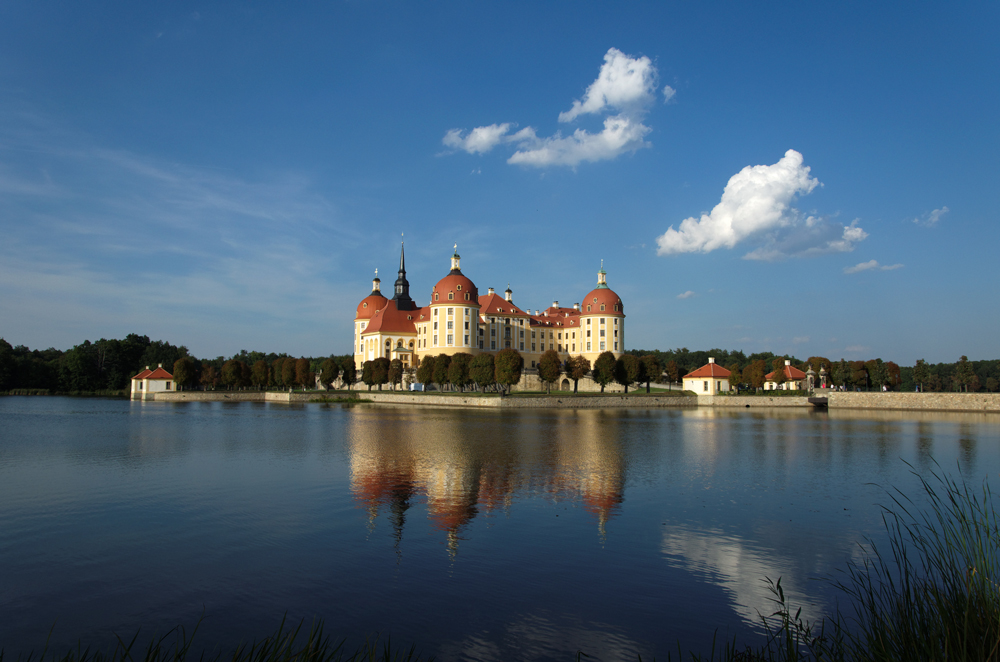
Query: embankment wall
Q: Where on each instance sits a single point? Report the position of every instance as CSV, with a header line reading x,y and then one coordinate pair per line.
x,y
915,401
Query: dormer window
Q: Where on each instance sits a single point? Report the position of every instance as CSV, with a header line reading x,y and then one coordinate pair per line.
x,y
588,307
437,296
595,299
466,296
451,295
602,307
365,305
458,287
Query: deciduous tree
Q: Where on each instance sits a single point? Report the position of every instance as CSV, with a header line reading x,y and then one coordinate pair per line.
x,y
754,374
964,373
735,377
920,374
509,364
672,370
288,372
458,370
653,369
425,371
482,371
628,370
549,368
604,369
328,372
209,377
184,371
395,373
577,367
349,372
381,370
441,365
303,375
368,374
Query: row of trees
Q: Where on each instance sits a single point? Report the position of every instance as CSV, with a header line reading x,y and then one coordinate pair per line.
x,y
462,371
281,372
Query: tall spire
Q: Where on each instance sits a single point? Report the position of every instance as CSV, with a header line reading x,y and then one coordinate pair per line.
x,y
402,294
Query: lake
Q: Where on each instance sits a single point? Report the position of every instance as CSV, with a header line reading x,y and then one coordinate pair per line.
x,y
476,535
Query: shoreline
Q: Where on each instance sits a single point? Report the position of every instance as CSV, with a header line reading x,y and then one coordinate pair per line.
x,y
891,401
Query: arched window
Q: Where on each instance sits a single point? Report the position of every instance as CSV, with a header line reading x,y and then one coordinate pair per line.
x,y
436,297
602,307
451,295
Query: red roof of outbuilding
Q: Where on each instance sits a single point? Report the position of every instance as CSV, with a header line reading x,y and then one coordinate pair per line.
x,y
159,373
709,370
791,372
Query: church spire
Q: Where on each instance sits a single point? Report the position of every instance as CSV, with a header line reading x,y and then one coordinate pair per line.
x,y
402,294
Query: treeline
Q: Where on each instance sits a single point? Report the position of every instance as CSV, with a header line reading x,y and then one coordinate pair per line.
x,y
109,365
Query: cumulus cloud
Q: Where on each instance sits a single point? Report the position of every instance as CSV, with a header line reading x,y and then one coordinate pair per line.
x,y
624,90
686,295
757,206
624,83
869,265
668,93
930,219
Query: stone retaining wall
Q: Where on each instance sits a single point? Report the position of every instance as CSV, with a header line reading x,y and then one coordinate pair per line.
x,y
533,402
916,401
752,401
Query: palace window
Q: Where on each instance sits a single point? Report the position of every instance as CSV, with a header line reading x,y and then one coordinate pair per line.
x,y
602,333
506,333
466,296
480,344
616,347
481,331
560,336
458,287
506,344
493,344
532,347
436,297
451,311
588,347
522,347
435,326
466,325
466,341
451,325
435,310
616,333
451,339
602,345
493,332
602,307
451,296
522,333
574,348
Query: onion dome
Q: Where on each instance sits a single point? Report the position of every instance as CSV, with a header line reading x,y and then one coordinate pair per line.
x,y
455,286
372,302
602,299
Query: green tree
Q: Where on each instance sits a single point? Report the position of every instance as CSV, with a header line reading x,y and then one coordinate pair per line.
x,y
859,374
920,374
441,365
425,371
381,369
184,372
653,369
604,369
508,366
209,376
735,377
964,374
549,368
261,374
368,374
328,372
482,371
577,367
992,384
818,362
349,372
232,374
778,374
458,370
395,373
628,370
7,365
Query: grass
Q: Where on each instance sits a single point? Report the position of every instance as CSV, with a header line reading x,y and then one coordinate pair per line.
x,y
931,595
106,393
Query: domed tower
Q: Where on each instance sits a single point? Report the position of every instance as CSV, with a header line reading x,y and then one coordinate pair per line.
x,y
602,320
370,305
453,323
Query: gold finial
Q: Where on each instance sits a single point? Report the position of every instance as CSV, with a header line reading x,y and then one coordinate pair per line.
x,y
376,272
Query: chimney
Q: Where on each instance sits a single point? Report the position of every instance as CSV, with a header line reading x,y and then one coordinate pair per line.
x,y
576,306
711,359
491,291
159,365
787,362
555,304
508,295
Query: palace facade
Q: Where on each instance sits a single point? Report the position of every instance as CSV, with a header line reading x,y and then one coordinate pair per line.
x,y
459,319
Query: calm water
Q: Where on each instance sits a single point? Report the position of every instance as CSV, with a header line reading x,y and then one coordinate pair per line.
x,y
475,535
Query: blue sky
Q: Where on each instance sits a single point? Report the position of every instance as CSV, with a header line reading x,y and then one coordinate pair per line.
x,y
790,177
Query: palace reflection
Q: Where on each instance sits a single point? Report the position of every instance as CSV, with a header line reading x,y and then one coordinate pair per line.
x,y
573,456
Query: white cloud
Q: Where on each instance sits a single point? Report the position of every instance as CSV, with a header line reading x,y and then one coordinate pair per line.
x,y
668,93
620,135
798,340
625,86
756,206
686,295
869,265
624,83
930,219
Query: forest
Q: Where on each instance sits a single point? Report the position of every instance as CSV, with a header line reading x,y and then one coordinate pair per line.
x,y
108,365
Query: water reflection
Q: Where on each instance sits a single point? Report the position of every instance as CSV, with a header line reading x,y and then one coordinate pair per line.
x,y
576,456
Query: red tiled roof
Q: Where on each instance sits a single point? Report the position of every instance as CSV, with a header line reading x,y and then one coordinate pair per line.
x,y
494,304
368,305
561,316
159,373
600,295
392,320
709,370
791,373
451,283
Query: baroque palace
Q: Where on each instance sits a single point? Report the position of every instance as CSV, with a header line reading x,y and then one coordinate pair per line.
x,y
459,319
